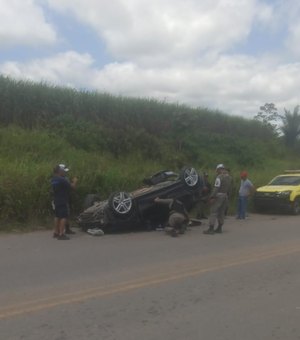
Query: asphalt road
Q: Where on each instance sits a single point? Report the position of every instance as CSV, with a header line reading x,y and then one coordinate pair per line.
x,y
241,285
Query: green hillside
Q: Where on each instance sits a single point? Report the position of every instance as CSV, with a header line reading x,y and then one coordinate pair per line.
x,y
112,143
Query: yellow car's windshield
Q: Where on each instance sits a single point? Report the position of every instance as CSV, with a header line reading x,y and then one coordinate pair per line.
x,y
286,180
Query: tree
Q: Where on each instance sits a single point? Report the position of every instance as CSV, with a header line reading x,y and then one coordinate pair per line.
x,y
291,126
269,116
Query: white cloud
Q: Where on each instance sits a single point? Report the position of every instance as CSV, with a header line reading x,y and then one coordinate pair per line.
x,y
69,68
293,41
286,15
236,85
162,31
23,23
175,50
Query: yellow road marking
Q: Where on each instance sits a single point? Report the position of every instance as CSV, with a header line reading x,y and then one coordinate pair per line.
x,y
83,295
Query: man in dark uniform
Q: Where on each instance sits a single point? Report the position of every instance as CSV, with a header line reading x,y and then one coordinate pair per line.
x,y
228,173
218,200
61,187
203,197
68,229
178,216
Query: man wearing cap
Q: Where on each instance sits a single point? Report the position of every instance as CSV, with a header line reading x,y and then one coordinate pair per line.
x,y
218,200
204,195
61,189
246,189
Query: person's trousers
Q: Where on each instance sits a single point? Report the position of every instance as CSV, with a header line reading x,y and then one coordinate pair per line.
x,y
217,210
242,207
176,220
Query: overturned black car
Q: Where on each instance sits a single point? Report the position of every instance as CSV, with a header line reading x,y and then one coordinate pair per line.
x,y
124,211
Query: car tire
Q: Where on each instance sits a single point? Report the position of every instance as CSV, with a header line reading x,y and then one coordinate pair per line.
x,y
90,199
190,178
296,207
121,204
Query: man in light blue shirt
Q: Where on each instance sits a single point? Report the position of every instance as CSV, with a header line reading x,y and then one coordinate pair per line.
x,y
246,189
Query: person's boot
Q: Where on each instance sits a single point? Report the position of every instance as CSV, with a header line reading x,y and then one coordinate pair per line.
x,y
209,231
219,229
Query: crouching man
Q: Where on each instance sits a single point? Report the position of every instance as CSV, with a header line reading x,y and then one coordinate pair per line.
x,y
178,216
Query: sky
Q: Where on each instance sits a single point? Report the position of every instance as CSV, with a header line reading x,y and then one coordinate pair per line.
x,y
227,55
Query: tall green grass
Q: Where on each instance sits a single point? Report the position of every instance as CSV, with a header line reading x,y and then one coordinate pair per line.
x,y
27,158
31,104
112,143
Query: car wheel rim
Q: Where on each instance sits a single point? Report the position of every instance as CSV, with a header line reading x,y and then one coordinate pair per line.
x,y
191,177
122,203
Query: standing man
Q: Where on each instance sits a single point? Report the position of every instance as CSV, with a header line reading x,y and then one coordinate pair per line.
x,y
246,189
229,194
178,216
61,187
203,197
218,200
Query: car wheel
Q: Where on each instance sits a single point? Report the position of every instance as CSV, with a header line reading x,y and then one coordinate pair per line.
x,y
190,177
296,206
121,203
90,199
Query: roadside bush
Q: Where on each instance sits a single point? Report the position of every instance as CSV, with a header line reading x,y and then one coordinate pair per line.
x,y
112,143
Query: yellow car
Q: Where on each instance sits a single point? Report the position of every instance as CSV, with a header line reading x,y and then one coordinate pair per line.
x,y
281,194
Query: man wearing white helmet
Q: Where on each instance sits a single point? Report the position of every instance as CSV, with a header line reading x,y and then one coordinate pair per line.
x,y
218,200
61,187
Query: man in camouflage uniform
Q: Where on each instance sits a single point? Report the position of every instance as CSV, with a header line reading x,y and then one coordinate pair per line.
x,y
218,200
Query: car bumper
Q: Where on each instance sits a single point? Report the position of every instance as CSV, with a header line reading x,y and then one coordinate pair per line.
x,y
272,203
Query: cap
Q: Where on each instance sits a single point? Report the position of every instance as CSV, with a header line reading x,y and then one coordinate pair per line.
x,y
244,174
63,167
220,166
